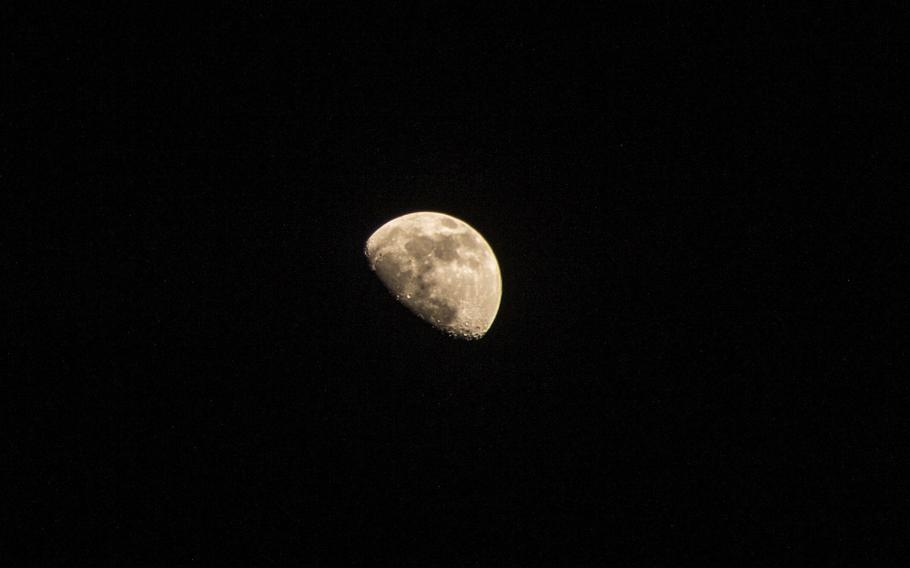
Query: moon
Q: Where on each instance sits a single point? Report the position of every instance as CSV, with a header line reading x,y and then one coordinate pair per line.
x,y
441,268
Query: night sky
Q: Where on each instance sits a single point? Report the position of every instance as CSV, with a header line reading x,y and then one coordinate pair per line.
x,y
691,212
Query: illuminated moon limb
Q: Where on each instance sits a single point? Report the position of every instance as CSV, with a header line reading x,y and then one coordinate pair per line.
x,y
441,268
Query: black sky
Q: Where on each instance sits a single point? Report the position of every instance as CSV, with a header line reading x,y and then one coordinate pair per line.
x,y
691,211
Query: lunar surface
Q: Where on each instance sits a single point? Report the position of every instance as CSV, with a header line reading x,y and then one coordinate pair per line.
x,y
441,268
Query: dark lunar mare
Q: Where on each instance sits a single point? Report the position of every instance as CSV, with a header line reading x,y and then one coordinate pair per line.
x,y
394,270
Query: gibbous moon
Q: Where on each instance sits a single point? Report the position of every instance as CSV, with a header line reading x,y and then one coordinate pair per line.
x,y
441,269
